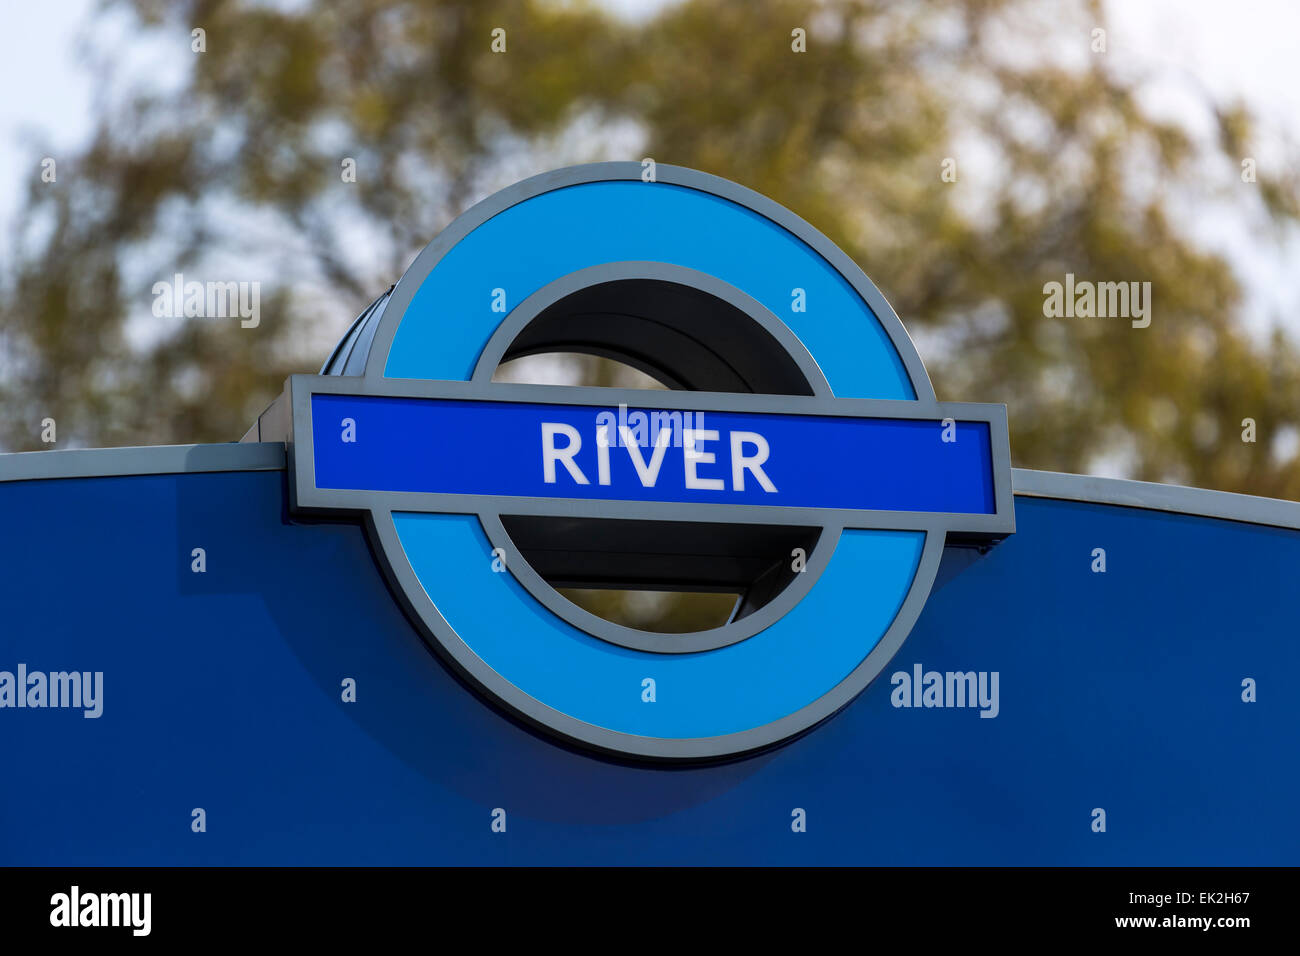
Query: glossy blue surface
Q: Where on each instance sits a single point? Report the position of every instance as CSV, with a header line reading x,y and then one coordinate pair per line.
x,y
222,691
498,448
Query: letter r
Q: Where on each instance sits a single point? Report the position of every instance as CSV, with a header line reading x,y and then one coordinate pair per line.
x,y
551,454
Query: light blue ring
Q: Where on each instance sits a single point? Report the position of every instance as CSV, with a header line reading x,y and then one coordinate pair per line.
x,y
732,689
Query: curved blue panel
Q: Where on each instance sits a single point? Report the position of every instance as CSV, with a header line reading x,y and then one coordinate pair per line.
x,y
724,691
549,236
221,690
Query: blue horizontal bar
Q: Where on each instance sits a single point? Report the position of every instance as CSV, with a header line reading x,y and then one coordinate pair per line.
x,y
468,447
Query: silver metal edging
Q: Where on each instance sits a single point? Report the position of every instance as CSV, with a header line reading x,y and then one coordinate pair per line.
x,y
1153,496
144,460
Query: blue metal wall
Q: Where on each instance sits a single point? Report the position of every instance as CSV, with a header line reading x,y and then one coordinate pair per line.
x,y
1119,690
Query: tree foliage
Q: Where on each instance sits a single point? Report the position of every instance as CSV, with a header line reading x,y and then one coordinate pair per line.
x,y
1059,169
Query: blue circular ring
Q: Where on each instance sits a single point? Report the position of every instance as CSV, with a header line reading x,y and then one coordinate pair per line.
x,y
713,693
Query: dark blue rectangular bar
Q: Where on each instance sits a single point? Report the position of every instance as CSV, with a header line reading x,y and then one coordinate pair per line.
x,y
536,450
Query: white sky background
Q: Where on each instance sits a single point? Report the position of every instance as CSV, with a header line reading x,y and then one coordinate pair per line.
x,y
1247,48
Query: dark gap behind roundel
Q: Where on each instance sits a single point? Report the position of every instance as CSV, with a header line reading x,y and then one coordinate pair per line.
x,y
682,336
691,340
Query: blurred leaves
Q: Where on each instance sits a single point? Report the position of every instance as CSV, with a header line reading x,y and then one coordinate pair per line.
x,y
244,160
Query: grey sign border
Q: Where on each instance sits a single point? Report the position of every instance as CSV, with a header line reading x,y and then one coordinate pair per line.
x,y
142,460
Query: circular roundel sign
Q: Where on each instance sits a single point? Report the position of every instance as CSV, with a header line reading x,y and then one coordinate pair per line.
x,y
798,459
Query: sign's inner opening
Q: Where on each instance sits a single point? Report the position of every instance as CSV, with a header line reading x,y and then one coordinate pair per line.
x,y
664,577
